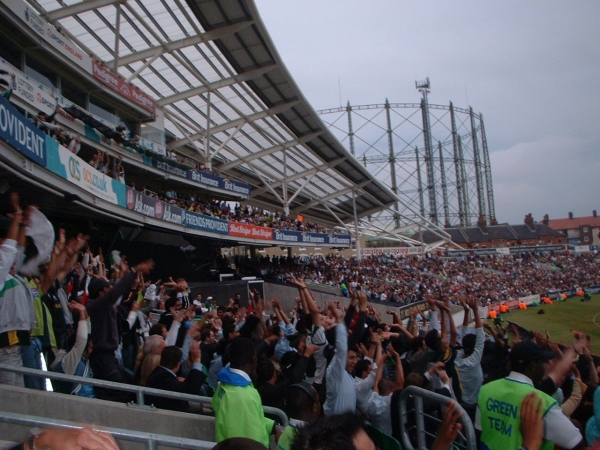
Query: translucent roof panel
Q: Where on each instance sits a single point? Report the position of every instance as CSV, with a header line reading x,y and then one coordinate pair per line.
x,y
262,130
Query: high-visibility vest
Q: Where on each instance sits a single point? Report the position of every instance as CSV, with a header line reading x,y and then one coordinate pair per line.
x,y
500,407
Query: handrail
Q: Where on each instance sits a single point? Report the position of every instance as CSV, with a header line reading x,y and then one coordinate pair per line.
x,y
151,440
466,435
140,391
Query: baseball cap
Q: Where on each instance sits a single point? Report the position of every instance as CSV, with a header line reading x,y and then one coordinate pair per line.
x,y
528,351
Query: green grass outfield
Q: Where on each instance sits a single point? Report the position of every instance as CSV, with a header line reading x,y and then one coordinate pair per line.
x,y
560,319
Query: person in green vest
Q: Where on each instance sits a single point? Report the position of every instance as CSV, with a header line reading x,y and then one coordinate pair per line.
x,y
499,405
236,402
303,405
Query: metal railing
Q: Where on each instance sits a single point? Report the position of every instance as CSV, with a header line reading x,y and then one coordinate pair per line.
x,y
139,391
466,437
151,440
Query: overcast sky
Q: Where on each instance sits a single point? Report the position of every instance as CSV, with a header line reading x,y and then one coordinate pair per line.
x,y
531,68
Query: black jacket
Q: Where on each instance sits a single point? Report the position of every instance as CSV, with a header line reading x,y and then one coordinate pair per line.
x,y
105,333
164,379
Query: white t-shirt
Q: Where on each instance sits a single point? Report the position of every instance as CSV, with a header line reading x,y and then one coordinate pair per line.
x,y
317,337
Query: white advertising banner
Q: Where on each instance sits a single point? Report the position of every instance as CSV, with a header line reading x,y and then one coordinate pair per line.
x,y
75,170
28,89
530,299
390,251
47,32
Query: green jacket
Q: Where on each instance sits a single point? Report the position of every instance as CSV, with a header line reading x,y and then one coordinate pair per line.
x,y
238,409
287,438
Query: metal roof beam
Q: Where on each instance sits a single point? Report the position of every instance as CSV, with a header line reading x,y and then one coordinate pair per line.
x,y
396,236
300,189
296,176
78,8
335,216
332,196
251,74
234,123
183,43
269,151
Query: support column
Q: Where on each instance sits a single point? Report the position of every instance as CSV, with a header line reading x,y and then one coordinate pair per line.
x,y
444,187
433,213
465,188
286,204
477,162
350,129
207,135
392,159
457,169
117,38
420,182
488,174
356,233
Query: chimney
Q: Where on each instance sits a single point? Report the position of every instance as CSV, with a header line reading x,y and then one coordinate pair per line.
x,y
529,221
482,224
546,220
570,215
594,213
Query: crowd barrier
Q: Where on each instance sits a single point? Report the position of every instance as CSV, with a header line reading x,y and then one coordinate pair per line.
x,y
151,440
139,391
466,437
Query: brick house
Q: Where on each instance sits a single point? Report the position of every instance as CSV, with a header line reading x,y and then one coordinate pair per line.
x,y
528,234
578,230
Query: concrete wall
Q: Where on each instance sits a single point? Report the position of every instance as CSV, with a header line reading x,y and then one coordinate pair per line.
x,y
286,295
100,413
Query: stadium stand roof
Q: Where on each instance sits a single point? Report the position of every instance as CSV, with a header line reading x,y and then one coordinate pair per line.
x,y
474,235
228,100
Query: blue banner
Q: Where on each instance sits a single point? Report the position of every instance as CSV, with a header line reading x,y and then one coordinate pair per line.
x,y
151,207
342,240
216,181
204,223
21,133
205,178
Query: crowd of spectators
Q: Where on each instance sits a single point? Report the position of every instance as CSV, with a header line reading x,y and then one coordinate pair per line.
x,y
102,161
405,279
235,211
344,361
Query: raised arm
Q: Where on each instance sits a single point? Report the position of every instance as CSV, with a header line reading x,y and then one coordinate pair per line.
x,y
379,374
281,312
399,368
338,362
412,329
465,306
444,325
8,250
474,305
309,299
453,331
72,358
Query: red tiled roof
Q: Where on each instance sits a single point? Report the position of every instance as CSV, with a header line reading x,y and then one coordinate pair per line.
x,y
575,222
